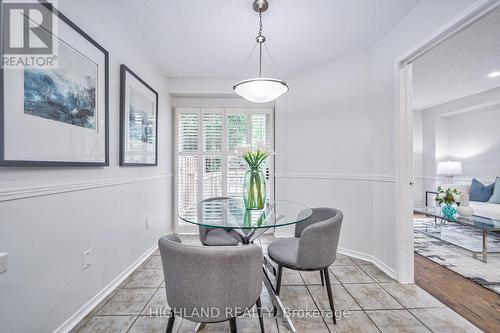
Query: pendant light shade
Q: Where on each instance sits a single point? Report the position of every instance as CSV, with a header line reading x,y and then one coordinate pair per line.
x,y
261,90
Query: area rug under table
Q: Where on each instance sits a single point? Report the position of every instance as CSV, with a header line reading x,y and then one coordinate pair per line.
x,y
450,250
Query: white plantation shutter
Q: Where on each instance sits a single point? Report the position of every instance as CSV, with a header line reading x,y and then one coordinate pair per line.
x,y
212,132
212,177
187,182
261,128
235,174
206,139
261,132
188,132
236,131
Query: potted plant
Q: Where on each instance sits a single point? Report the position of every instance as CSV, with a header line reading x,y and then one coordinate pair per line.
x,y
254,184
446,199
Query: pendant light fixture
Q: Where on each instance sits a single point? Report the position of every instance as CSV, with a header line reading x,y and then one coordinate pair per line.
x,y
261,89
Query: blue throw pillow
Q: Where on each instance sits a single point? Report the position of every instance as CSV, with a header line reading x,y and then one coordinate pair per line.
x,y
495,198
480,192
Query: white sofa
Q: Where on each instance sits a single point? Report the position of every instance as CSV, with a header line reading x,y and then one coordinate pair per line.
x,y
484,209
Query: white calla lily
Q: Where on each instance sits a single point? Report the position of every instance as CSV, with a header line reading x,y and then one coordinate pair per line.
x,y
254,155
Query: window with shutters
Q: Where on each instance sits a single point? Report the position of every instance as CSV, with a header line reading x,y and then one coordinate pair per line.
x,y
206,139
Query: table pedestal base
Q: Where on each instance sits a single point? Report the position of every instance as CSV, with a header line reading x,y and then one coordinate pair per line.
x,y
270,270
199,327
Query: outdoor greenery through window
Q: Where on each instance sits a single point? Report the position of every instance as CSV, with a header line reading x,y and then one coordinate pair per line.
x,y
206,165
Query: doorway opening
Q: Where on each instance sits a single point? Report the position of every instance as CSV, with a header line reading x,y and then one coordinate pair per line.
x,y
449,158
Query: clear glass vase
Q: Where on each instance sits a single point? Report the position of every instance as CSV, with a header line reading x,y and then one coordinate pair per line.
x,y
254,189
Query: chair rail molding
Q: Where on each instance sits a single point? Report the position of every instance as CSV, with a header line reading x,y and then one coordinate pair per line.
x,y
482,179
338,176
17,193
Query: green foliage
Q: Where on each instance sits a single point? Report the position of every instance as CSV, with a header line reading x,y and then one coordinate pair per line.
x,y
255,158
448,196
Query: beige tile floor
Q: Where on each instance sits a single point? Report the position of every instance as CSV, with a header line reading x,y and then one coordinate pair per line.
x,y
366,299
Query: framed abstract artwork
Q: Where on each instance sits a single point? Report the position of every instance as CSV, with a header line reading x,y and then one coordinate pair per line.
x,y
138,121
57,116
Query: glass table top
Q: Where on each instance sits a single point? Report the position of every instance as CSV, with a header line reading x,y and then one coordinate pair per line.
x,y
231,213
472,221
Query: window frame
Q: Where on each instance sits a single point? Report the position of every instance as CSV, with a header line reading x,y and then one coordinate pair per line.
x,y
224,154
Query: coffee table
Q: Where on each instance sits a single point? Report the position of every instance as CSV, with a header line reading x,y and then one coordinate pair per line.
x,y
485,224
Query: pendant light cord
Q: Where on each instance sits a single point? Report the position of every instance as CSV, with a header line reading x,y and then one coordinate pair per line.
x,y
278,71
260,41
248,59
260,59
260,23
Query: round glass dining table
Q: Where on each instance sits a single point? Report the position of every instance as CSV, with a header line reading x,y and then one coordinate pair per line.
x,y
230,213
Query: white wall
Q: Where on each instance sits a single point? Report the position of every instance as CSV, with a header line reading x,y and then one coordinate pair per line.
x,y
474,139
322,134
48,217
418,158
462,130
202,87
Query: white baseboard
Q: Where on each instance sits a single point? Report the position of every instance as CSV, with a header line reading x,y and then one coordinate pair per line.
x,y
386,269
85,310
363,256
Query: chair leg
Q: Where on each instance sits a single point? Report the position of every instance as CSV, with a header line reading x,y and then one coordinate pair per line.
x,y
278,284
233,326
278,279
171,320
259,311
322,278
329,290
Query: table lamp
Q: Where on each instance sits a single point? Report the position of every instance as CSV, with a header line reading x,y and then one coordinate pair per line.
x,y
449,169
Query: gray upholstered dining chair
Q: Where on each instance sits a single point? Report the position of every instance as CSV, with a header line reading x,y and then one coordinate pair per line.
x,y
218,236
211,284
314,247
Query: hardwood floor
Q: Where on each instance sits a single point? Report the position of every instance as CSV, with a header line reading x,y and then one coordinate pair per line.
x,y
478,305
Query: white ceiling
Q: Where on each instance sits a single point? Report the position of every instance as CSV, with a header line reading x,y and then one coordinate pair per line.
x,y
459,67
214,38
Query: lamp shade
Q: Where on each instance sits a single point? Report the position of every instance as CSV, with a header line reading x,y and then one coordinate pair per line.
x,y
261,90
449,168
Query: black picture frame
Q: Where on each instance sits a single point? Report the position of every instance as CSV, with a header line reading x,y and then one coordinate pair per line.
x,y
28,163
123,91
